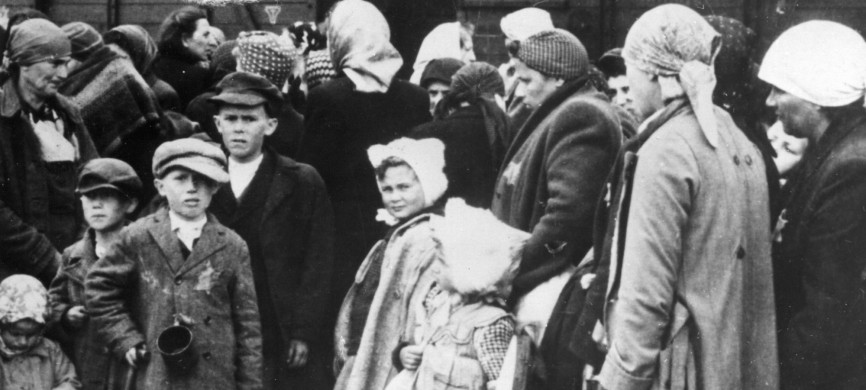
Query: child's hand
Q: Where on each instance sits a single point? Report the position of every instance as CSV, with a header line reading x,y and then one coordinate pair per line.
x,y
76,316
410,356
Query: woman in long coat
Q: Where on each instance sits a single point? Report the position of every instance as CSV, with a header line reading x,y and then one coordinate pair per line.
x,y
690,300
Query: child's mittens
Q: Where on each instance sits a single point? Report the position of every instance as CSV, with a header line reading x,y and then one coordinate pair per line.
x,y
410,356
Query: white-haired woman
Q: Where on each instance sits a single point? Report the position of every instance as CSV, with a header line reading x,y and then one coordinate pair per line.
x,y
411,180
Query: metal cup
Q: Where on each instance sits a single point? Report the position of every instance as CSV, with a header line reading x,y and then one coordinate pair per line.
x,y
175,344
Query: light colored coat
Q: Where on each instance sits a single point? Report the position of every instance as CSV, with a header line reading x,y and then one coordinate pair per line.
x,y
692,304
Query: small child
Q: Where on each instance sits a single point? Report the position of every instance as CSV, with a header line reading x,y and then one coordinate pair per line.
x,y
109,191
461,342
179,266
27,359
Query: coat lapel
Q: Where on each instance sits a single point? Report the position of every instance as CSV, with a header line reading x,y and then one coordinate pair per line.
x,y
280,187
211,240
167,241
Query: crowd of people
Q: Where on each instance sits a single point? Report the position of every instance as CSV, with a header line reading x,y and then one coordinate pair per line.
x,y
280,211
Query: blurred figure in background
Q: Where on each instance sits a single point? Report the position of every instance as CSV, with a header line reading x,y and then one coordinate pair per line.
x,y
185,41
447,40
436,79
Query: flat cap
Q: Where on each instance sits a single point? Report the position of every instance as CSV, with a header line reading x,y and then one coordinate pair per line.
x,y
195,155
247,89
109,173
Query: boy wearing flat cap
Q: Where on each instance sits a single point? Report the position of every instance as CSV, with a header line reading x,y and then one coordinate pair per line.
x,y
108,189
180,266
280,207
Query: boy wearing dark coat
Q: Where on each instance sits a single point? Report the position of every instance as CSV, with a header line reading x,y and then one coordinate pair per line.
x,y
180,266
281,208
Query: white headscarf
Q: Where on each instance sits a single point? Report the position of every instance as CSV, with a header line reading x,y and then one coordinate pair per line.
x,y
524,23
819,61
426,157
442,42
360,42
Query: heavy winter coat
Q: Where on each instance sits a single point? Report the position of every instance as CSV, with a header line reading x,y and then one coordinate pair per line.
x,y
341,123
552,176
294,235
823,256
408,254
27,242
67,290
143,282
690,301
184,73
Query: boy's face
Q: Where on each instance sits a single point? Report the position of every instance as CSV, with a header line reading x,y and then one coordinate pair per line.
x,y
244,129
188,193
105,209
402,194
22,335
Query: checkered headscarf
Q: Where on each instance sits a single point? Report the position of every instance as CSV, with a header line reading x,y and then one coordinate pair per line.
x,y
261,52
555,53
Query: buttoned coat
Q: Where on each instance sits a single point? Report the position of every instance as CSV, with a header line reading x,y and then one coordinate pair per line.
x,y
690,303
823,257
552,176
141,284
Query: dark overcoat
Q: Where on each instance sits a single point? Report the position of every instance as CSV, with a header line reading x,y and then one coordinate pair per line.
x,y
552,177
137,289
341,123
823,252
28,243
295,238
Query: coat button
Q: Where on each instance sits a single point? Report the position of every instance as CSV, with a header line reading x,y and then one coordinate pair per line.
x,y
748,160
737,160
178,281
741,253
206,355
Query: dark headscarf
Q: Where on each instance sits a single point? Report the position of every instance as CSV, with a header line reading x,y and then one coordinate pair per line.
x,y
476,83
441,70
137,43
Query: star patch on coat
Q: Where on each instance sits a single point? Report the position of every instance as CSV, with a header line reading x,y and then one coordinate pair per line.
x,y
511,173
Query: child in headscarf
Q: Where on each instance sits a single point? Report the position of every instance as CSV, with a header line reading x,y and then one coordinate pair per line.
x,y
27,359
375,311
464,329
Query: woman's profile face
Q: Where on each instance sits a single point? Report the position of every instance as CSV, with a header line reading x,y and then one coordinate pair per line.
x,y
201,43
644,90
402,194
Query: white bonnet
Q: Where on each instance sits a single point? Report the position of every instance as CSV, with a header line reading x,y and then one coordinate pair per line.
x,y
426,157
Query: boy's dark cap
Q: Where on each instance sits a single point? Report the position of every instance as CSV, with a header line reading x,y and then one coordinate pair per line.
x,y
108,173
204,158
246,89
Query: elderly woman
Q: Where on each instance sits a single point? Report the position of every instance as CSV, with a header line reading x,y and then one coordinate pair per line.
x,y
43,142
141,49
365,106
474,130
185,44
690,304
375,311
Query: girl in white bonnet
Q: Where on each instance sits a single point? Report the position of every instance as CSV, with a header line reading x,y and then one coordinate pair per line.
x,y
27,359
375,311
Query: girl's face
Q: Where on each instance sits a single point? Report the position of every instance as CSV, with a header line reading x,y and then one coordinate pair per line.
x,y
789,149
402,194
21,336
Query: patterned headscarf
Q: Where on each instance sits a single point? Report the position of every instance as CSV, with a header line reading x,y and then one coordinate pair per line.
x,y
555,53
318,68
23,297
676,44
262,53
360,42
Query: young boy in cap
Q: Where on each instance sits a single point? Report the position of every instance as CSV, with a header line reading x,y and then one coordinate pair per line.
x,y
280,207
108,189
179,266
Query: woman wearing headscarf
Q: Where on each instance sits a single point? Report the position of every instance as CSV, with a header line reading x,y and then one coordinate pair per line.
x,y
447,40
474,130
365,106
120,110
690,298
139,46
43,142
185,45
392,278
